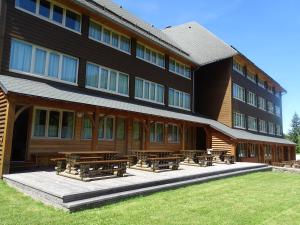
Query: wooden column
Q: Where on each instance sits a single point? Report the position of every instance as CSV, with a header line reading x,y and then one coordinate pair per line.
x,y
208,138
233,150
183,137
146,133
129,124
7,137
95,124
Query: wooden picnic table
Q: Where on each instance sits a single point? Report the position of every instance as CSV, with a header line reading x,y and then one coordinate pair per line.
x,y
219,154
190,156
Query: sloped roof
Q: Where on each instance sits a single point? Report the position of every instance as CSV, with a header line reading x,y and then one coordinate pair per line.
x,y
204,47
40,89
117,14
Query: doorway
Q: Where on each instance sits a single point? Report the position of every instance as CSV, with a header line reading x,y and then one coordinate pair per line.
x,y
200,139
20,135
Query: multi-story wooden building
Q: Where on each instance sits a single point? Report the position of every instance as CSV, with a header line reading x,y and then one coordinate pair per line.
x,y
88,75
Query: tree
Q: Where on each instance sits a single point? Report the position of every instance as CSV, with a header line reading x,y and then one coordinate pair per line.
x,y
294,132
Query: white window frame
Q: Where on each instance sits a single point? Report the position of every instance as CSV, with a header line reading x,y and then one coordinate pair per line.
x,y
111,31
63,24
151,50
61,111
185,67
179,92
236,66
270,89
261,83
269,103
150,100
108,82
240,91
251,98
250,121
271,131
264,108
241,124
178,136
277,111
265,130
104,129
278,128
46,77
242,150
251,77
155,133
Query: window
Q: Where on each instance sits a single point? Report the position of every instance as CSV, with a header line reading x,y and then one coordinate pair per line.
x,y
262,126
238,68
149,55
251,77
252,123
121,129
262,103
34,60
268,151
271,128
106,128
52,13
179,68
104,79
239,120
137,130
270,107
278,130
149,91
179,99
242,150
253,148
251,99
238,92
270,89
53,124
87,128
277,111
156,132
109,37
173,133
277,94
261,83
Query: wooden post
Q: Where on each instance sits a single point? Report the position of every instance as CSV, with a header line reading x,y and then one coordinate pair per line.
x,y
95,125
183,136
129,134
146,138
7,137
208,138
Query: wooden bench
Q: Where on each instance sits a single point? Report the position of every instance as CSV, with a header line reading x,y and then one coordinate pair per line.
x,y
158,163
205,160
132,160
60,164
229,159
278,164
88,169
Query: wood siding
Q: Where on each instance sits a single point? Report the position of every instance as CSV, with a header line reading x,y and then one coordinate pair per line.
x,y
3,118
221,142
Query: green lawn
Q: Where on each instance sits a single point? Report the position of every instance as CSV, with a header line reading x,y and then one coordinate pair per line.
x,y
260,198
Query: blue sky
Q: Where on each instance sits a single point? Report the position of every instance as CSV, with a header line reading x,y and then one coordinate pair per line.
x,y
266,31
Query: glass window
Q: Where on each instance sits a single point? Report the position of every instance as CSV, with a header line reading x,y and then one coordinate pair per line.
x,y
149,91
69,69
150,55
262,126
152,132
53,127
113,81
138,88
140,51
160,94
73,20
20,56
238,67
152,91
101,128
29,5
123,84
125,44
115,40
44,9
40,123
146,90
239,120
159,132
136,130
53,67
171,97
67,127
238,92
251,99
92,75
173,134
40,61
121,129
95,31
104,78
87,128
252,123
262,103
109,128
179,68
106,36
179,99
58,13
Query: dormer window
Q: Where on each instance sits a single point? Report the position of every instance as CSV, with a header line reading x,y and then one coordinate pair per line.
x,y
238,67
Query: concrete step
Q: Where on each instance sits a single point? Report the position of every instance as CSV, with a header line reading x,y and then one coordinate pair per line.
x,y
98,193
113,197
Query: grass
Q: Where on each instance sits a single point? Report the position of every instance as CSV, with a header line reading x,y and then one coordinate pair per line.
x,y
259,198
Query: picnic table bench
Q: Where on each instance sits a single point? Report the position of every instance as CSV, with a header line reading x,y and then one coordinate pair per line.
x,y
229,159
158,163
205,160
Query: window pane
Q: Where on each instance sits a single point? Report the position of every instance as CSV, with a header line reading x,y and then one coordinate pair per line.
x,y
153,57
44,9
101,129
123,84
138,88
125,44
95,31
72,20
152,92
159,132
109,128
40,123
140,51
136,130
115,40
53,124
152,132
106,36
53,65
121,129
104,78
92,75
187,101
160,94
40,61
69,69
113,81
87,128
29,5
67,128
172,65
146,90
176,99
171,97
20,56
148,54
57,14
161,60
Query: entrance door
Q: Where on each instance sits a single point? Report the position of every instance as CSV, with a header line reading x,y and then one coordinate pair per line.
x,y
200,139
19,142
286,154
